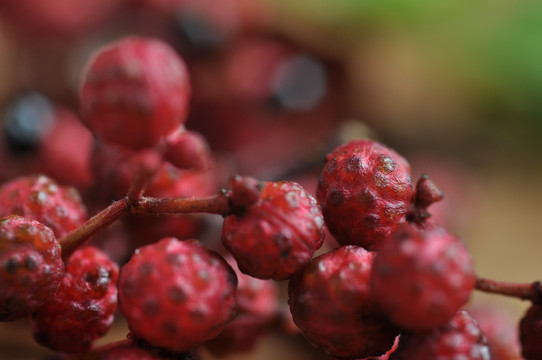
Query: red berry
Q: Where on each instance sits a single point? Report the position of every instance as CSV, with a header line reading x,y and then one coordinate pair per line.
x,y
30,266
422,277
276,235
530,330
365,192
83,307
134,92
41,198
331,302
187,150
176,294
460,338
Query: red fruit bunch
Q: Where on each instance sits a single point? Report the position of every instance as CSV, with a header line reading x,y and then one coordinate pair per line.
x,y
274,229
134,92
30,266
41,198
460,338
331,302
365,192
177,294
421,277
82,309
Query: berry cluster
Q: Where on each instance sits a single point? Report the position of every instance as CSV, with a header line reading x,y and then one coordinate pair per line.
x,y
393,286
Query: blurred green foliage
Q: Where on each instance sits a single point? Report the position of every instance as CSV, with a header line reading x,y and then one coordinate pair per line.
x,y
491,49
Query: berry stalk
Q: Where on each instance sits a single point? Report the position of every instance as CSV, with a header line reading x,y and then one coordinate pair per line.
x,y
527,291
216,204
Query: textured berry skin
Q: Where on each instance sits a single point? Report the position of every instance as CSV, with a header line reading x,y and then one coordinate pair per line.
x,y
83,307
332,304
134,92
30,266
460,338
422,277
257,304
177,294
41,198
365,191
530,331
276,235
187,150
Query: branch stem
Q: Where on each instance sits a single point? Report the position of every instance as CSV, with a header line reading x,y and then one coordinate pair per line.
x,y
525,291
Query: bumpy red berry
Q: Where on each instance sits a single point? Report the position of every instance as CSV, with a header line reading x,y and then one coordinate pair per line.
x,y
187,150
30,266
257,304
530,330
460,338
41,198
274,232
422,277
83,306
176,294
134,92
365,191
331,302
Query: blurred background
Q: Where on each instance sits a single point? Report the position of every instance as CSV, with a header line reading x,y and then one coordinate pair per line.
x,y
454,86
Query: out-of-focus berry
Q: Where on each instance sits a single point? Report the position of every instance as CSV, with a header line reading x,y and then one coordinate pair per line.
x,y
460,338
332,303
421,278
134,92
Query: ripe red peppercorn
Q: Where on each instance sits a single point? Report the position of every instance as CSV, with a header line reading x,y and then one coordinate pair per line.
x,y
365,192
30,266
134,92
331,302
40,197
83,307
177,294
274,230
421,278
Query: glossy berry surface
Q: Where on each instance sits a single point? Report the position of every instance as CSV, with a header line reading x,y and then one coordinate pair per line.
x,y
177,294
331,302
41,198
460,338
30,266
422,277
365,191
83,307
134,92
530,330
275,235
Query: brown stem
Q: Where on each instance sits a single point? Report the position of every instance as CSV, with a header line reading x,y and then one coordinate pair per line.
x,y
526,291
95,224
217,204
